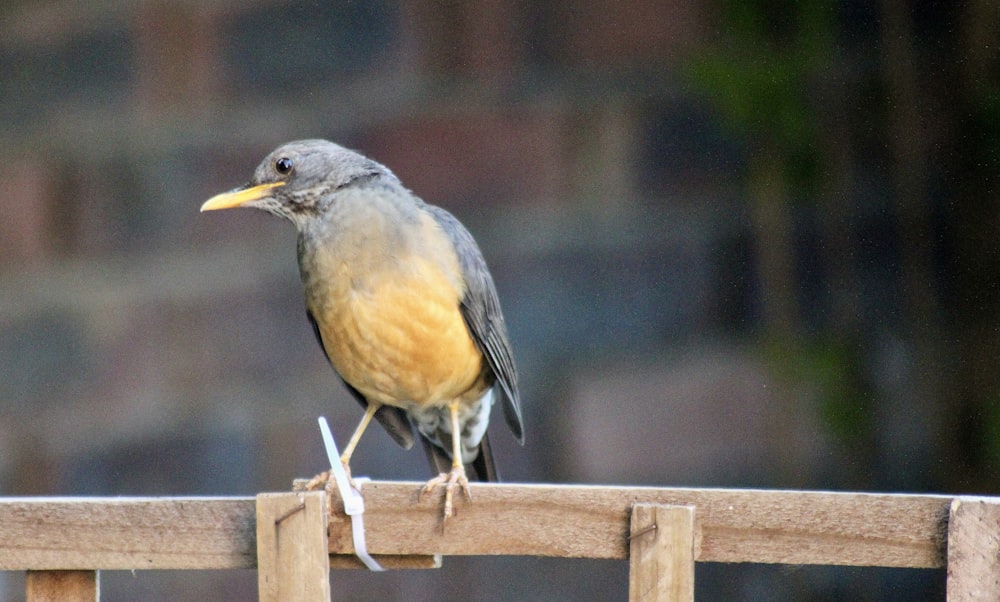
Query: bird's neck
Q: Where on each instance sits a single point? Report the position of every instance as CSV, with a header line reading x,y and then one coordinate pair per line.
x,y
359,233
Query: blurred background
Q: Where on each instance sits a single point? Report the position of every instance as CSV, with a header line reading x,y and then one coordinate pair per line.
x,y
738,244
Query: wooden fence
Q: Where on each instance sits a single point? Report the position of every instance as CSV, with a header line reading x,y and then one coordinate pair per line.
x,y
292,541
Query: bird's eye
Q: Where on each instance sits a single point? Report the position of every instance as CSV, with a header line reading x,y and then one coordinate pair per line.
x,y
283,165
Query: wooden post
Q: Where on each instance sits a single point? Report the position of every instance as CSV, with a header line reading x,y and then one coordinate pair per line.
x,y
661,553
974,550
293,561
62,586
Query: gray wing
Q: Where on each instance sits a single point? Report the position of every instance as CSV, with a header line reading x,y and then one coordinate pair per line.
x,y
393,420
481,309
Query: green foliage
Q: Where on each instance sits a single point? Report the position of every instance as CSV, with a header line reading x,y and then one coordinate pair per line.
x,y
832,370
761,72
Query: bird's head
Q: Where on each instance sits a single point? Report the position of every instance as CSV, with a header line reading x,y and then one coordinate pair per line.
x,y
296,180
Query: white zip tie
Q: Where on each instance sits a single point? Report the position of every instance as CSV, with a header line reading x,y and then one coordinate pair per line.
x,y
354,503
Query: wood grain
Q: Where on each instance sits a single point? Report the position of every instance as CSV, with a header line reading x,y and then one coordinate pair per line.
x,y
292,561
127,533
62,586
974,550
736,525
395,563
661,553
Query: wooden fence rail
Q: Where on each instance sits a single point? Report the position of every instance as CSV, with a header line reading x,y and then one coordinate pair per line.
x,y
44,535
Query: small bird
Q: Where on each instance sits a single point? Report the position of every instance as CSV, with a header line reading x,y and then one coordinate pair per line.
x,y
401,301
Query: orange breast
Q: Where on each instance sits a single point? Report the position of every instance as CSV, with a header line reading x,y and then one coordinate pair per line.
x,y
400,339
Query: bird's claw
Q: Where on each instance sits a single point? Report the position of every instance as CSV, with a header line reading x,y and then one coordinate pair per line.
x,y
314,483
326,481
450,480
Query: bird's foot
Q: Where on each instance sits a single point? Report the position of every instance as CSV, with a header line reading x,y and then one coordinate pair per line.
x,y
326,481
314,483
450,480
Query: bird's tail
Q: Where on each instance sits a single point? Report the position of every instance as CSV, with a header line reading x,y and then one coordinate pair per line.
x,y
481,469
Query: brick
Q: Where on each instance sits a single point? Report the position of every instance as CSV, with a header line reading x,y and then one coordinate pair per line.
x,y
176,57
589,33
491,158
477,40
26,198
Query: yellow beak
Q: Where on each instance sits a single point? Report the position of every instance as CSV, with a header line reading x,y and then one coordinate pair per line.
x,y
235,198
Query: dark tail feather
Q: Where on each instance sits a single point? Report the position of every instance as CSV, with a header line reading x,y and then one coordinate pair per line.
x,y
440,462
480,469
483,465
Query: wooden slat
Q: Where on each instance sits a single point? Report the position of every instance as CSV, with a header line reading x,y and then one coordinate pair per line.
x,y
974,550
127,533
62,586
737,525
661,553
292,561
792,527
415,561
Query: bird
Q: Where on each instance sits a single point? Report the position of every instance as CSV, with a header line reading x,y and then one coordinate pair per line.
x,y
402,303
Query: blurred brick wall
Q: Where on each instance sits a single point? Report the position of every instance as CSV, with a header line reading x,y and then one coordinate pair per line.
x,y
147,349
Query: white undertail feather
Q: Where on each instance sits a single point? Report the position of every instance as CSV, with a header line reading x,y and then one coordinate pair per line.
x,y
433,422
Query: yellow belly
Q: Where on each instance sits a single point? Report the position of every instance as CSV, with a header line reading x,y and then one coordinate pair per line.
x,y
400,339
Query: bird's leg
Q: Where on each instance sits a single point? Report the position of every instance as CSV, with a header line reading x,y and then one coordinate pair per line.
x,y
345,458
324,479
457,475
